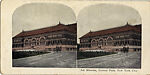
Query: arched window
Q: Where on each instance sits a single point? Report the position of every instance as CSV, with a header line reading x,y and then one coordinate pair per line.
x,y
37,41
42,41
94,42
26,43
100,42
33,42
109,40
105,42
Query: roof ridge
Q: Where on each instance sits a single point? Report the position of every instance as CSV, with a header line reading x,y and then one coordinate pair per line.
x,y
43,30
51,26
113,28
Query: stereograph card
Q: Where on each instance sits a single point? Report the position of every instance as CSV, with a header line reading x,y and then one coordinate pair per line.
x,y
75,37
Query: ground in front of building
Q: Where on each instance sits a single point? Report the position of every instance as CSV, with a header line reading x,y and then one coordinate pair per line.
x,y
69,60
52,60
120,60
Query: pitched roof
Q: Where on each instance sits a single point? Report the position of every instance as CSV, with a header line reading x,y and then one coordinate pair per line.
x,y
59,27
127,27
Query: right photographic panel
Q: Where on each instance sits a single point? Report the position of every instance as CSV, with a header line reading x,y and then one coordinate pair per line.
x,y
109,36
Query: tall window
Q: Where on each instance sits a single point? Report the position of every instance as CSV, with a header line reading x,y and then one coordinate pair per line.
x,y
26,43
100,42
33,42
109,41
42,41
94,43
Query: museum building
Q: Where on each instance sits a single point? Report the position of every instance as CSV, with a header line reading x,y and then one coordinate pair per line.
x,y
59,37
124,38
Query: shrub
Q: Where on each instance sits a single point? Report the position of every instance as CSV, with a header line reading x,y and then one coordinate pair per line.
x,y
22,54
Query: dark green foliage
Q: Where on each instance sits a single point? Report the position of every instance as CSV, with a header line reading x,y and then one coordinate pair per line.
x,y
83,55
22,54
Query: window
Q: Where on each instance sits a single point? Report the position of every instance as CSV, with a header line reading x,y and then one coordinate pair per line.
x,y
42,41
100,42
94,42
33,42
26,42
109,40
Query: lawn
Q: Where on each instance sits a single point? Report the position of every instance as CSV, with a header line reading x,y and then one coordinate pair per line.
x,y
83,55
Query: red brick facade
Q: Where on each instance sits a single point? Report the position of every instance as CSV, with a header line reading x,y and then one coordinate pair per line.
x,y
60,36
124,38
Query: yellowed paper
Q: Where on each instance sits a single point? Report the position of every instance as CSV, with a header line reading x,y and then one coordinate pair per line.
x,y
8,8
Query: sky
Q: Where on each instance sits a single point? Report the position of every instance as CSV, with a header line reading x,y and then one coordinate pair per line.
x,y
40,15
105,16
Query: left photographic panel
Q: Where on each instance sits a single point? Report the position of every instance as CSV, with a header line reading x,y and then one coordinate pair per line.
x,y
44,35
